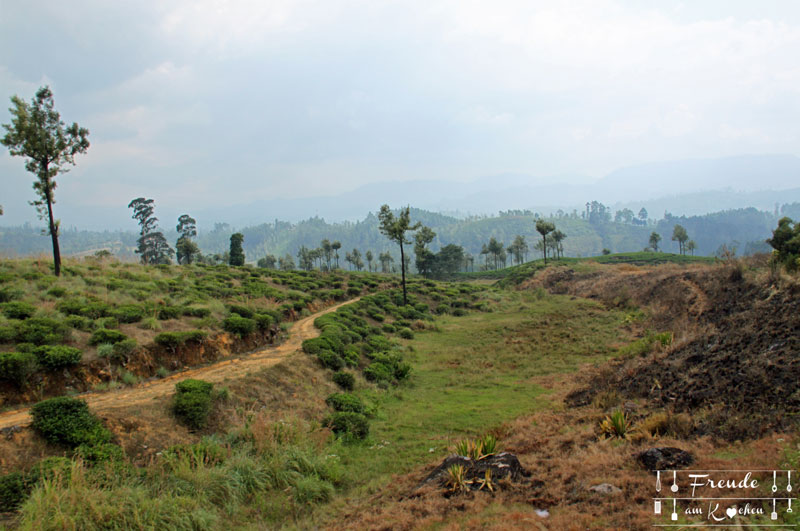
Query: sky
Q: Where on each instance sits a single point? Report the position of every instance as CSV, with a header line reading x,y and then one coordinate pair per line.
x,y
209,102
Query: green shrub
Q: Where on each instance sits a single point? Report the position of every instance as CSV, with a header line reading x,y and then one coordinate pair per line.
x,y
459,312
192,402
242,311
12,492
7,334
196,311
351,356
345,380
106,350
57,291
70,306
379,343
95,310
168,312
104,335
18,310
67,421
406,333
349,423
17,367
241,326
58,356
79,322
41,331
9,294
173,340
442,309
100,453
378,371
128,313
315,345
336,294
345,402
106,322
124,348
330,360
264,321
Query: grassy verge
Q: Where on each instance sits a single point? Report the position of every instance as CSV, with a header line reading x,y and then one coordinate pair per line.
x,y
473,375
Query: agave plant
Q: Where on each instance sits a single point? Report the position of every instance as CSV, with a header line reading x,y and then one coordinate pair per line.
x,y
456,478
489,445
478,448
486,482
616,425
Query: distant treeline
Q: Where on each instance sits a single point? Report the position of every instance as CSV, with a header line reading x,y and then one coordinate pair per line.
x,y
588,233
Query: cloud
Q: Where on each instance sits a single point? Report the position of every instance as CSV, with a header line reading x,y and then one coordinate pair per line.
x,y
205,100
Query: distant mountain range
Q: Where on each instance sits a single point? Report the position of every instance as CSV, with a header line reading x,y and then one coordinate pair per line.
x,y
686,187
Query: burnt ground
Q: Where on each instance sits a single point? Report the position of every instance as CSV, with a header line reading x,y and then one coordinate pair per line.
x,y
735,363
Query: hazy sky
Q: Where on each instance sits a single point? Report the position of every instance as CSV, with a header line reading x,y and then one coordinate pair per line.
x,y
204,101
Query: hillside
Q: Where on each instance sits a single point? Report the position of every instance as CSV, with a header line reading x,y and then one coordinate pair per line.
x,y
341,430
744,229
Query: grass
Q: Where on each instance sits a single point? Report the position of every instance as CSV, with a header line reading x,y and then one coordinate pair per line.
x,y
478,372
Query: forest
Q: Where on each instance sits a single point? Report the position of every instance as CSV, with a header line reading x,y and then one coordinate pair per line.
x,y
743,230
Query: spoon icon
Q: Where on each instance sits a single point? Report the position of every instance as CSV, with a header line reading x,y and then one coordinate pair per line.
x,y
658,481
789,481
674,487
774,486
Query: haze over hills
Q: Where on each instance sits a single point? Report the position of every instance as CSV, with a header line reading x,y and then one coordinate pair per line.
x,y
686,187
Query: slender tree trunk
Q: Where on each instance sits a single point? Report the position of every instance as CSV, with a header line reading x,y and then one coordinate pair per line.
x,y
53,229
403,271
544,247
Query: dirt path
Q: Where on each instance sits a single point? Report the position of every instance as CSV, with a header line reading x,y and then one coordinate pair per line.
x,y
218,372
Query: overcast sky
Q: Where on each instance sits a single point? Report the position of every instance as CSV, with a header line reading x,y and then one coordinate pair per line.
x,y
206,101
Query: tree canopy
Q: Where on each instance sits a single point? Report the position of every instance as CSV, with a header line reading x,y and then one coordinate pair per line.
x,y
37,133
395,229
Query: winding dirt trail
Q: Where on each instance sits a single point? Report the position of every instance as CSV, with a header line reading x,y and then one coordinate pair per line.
x,y
217,372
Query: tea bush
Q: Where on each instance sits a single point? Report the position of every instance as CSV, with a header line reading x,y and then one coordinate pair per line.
x,y
41,331
345,380
128,313
173,340
58,356
242,311
315,345
67,421
349,423
330,360
345,402
18,310
12,492
241,326
192,402
377,371
104,335
17,367
169,312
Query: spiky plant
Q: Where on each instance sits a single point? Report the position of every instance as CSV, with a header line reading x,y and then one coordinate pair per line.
x,y
616,425
456,478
